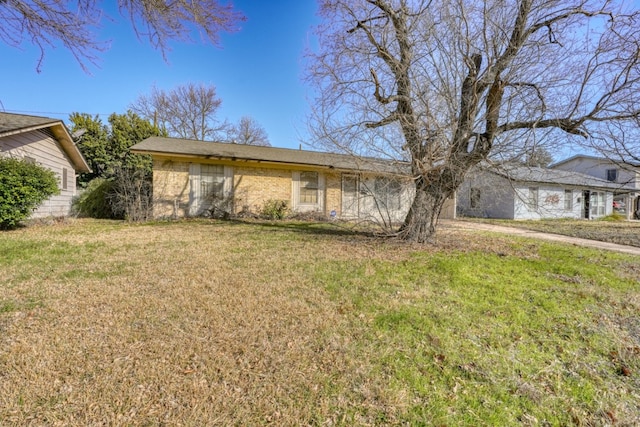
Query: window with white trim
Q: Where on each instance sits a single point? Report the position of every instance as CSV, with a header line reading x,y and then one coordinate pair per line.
x,y
308,188
64,178
597,203
212,181
387,193
568,200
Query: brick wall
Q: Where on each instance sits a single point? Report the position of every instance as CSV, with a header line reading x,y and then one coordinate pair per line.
x,y
170,188
254,186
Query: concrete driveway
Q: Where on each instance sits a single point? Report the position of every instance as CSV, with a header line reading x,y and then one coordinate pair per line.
x,y
468,225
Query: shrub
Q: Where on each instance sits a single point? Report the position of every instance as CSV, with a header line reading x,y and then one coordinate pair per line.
x,y
275,209
23,186
613,217
93,202
131,196
127,195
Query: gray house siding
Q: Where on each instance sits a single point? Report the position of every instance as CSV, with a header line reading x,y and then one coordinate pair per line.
x,y
46,151
486,196
491,195
627,203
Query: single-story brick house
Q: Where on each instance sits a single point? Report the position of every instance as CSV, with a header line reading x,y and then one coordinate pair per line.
x,y
192,177
517,192
47,142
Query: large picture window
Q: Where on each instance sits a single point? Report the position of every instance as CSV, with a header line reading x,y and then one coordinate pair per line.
x,y
387,193
212,181
309,188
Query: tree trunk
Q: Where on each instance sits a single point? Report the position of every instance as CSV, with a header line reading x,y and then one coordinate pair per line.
x,y
420,224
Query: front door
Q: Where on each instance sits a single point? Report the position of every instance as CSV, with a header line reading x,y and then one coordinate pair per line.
x,y
350,196
586,203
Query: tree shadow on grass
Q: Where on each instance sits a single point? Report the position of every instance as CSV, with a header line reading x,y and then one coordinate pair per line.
x,y
319,228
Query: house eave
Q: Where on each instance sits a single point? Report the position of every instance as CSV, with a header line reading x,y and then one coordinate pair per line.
x,y
59,130
292,165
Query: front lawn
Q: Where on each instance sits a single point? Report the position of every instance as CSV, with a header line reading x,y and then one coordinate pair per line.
x,y
229,323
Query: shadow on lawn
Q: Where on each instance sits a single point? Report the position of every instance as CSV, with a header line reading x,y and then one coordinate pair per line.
x,y
336,229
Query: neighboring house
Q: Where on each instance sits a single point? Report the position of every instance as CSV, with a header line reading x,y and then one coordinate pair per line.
x,y
625,175
518,192
48,143
194,178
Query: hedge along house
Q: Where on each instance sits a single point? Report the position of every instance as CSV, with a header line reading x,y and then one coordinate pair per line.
x,y
47,142
196,178
518,192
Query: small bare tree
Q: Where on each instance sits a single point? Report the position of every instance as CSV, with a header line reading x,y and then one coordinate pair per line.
x,y
249,132
45,23
446,84
131,194
187,111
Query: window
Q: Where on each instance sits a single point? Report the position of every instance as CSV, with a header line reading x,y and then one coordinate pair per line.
x,y
212,181
387,193
474,198
568,200
612,175
532,199
64,178
309,188
597,204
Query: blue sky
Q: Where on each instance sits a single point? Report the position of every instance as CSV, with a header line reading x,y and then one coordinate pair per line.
x,y
256,71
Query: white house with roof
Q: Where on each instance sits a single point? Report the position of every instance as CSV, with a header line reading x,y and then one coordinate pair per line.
x,y
519,192
622,174
47,142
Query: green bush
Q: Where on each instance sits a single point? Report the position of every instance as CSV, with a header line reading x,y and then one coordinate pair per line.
x,y
93,202
615,216
275,209
23,186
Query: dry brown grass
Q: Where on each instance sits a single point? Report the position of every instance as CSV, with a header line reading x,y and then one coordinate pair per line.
x,y
202,323
169,326
620,232
187,324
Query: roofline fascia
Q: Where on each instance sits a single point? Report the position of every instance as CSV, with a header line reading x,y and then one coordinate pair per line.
x,y
520,181
586,186
60,131
242,159
30,128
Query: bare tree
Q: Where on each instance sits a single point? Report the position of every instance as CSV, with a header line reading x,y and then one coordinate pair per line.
x,y
188,111
444,84
45,23
248,131
538,157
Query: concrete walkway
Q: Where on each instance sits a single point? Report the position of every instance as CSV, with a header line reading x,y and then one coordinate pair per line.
x,y
468,225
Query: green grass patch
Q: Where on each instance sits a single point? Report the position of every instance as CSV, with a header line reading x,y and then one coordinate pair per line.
x,y
483,339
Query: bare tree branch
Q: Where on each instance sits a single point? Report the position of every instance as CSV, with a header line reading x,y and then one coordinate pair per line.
x,y
448,84
187,111
46,23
